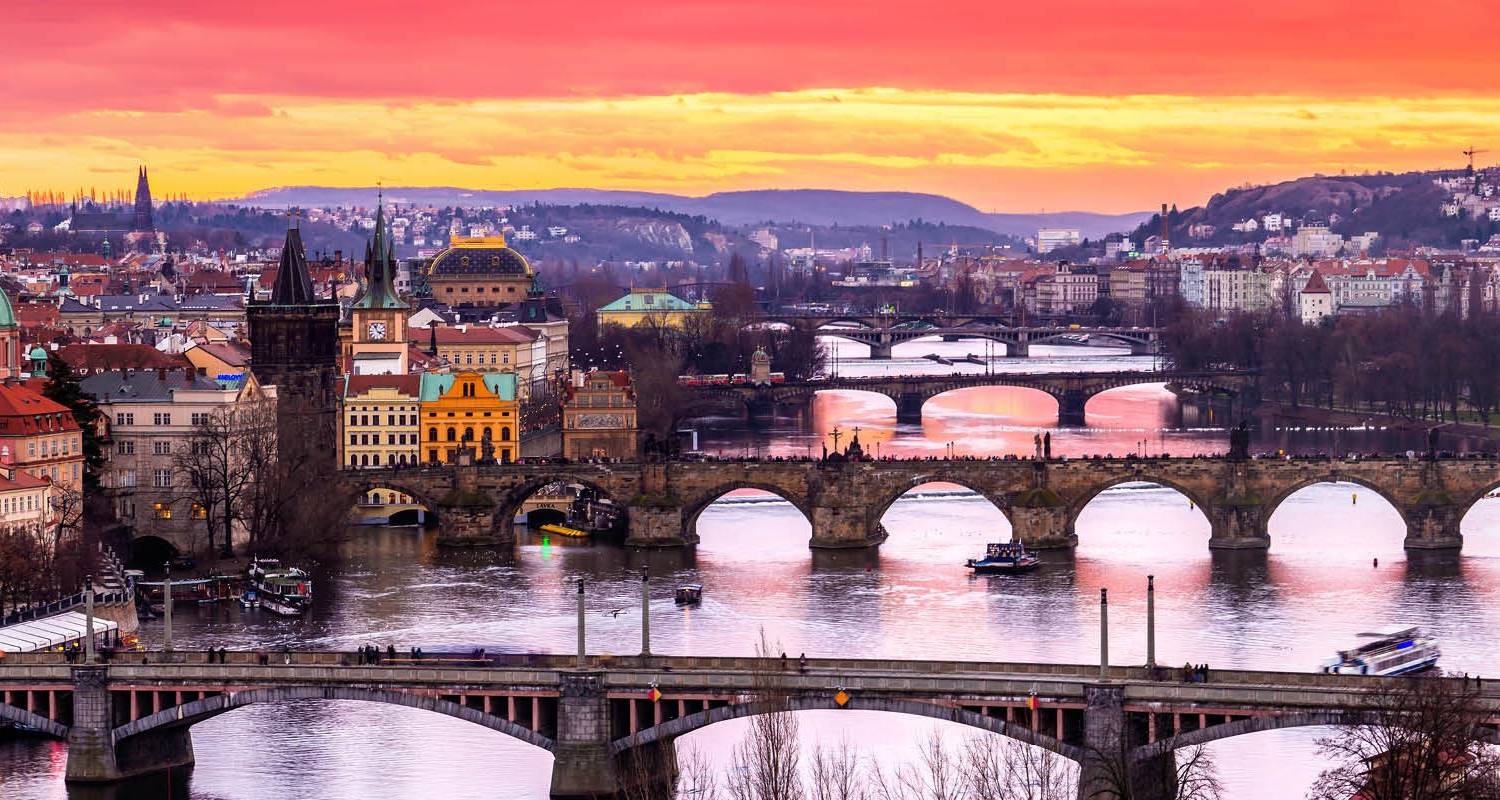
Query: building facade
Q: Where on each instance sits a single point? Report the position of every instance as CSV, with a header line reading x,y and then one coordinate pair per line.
x,y
599,417
380,421
469,409
479,271
378,340
649,306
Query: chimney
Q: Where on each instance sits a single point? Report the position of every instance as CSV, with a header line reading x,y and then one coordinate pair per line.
x,y
1166,235
161,374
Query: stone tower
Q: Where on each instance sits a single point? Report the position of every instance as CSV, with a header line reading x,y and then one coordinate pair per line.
x,y
294,346
142,223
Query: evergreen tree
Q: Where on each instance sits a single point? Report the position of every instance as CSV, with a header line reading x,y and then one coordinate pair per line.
x,y
63,388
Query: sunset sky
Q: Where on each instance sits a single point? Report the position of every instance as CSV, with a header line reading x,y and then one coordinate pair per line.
x,y
1010,106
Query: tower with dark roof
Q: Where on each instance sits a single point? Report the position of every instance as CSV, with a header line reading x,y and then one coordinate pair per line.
x,y
142,222
294,346
378,340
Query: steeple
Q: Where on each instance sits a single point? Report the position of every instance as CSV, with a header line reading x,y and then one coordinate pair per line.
x,y
293,285
142,221
380,267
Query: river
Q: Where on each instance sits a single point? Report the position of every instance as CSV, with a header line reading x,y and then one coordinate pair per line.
x,y
1284,609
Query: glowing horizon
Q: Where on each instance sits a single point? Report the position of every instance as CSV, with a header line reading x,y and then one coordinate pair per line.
x,y
1118,112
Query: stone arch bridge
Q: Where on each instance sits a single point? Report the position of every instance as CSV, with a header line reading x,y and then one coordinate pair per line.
x,y
599,719
845,500
1071,390
882,334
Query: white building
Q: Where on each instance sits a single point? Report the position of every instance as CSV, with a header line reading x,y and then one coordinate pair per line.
x,y
1273,222
1316,302
1049,239
1316,240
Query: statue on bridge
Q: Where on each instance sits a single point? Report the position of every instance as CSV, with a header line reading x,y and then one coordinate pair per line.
x,y
487,448
1239,441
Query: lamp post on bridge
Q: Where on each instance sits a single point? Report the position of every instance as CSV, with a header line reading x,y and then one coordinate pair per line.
x,y
646,612
582,653
1104,634
1150,620
166,609
88,619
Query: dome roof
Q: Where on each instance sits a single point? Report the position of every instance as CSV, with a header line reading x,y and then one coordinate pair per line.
x,y
479,256
7,314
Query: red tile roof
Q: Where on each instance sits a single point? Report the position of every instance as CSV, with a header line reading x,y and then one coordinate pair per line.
x,y
360,384
24,411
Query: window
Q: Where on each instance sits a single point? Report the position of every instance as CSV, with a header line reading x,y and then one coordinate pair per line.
x,y
161,510
31,448
127,478
162,447
124,419
125,447
452,434
162,418
161,479
199,512
432,434
200,419
202,448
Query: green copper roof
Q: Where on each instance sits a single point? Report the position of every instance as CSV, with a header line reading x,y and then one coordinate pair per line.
x,y
647,300
37,354
435,385
7,314
380,268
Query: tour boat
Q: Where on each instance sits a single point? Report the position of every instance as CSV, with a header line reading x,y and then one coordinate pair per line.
x,y
281,590
563,530
689,595
1389,651
249,599
1003,558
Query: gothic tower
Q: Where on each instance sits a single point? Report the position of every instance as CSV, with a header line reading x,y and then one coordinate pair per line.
x,y
294,346
379,345
142,221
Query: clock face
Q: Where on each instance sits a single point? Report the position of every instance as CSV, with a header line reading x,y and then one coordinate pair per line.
x,y
377,331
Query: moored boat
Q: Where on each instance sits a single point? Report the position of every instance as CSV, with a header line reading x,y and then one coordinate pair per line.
x,y
281,590
1003,558
563,530
1398,650
689,594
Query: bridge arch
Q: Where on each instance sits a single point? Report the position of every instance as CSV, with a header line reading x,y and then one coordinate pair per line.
x,y
37,722
681,726
694,509
196,711
1333,476
359,488
151,551
1240,727
1016,394
996,502
511,501
1199,502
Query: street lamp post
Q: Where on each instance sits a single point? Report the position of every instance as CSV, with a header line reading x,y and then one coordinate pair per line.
x,y
1104,634
1150,620
646,611
166,607
582,657
88,619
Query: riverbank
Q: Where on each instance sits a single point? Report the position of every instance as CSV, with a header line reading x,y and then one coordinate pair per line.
x,y
1452,436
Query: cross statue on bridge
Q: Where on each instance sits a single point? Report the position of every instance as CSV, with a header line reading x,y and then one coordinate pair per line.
x,y
836,435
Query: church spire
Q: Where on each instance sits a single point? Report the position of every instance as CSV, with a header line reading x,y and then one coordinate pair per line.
x,y
142,221
293,284
380,267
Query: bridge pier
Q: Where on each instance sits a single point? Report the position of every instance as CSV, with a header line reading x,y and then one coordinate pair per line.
x,y
470,522
1143,348
93,755
844,528
582,768
1238,527
1017,349
659,526
1043,527
1433,527
909,407
761,411
880,350
1108,769
1070,406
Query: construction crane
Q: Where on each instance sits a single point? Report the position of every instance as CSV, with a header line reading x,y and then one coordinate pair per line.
x,y
1471,152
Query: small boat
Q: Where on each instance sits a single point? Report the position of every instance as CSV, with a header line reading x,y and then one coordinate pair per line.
x,y
249,599
1002,558
1398,650
689,595
563,530
281,590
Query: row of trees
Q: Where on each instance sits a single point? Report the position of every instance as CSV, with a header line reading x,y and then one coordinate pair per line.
x,y
1399,361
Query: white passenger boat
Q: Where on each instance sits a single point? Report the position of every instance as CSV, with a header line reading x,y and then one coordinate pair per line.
x,y
1390,651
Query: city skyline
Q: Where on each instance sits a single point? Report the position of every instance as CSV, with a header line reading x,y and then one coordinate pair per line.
x,y
1007,108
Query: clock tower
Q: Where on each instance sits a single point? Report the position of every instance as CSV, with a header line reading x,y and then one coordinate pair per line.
x,y
378,345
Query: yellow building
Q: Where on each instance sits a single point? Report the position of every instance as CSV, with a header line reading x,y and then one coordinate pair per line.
x,y
479,271
378,421
470,409
654,306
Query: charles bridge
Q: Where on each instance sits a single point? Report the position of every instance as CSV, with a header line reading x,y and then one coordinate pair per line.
x,y
611,719
1071,390
883,332
845,499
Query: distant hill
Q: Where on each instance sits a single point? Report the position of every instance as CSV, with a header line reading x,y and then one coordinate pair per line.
x,y
740,209
1405,209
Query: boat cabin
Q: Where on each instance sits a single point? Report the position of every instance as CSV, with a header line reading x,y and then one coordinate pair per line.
x,y
690,594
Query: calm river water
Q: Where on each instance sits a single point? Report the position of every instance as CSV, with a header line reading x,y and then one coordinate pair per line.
x,y
1285,609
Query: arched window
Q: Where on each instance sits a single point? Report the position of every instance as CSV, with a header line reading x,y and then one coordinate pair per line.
x,y
452,434
353,460
504,433
432,434
469,433
364,461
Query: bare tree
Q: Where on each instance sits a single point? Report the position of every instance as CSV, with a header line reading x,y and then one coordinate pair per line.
x,y
997,768
1193,775
835,773
767,764
1425,739
938,774
217,473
